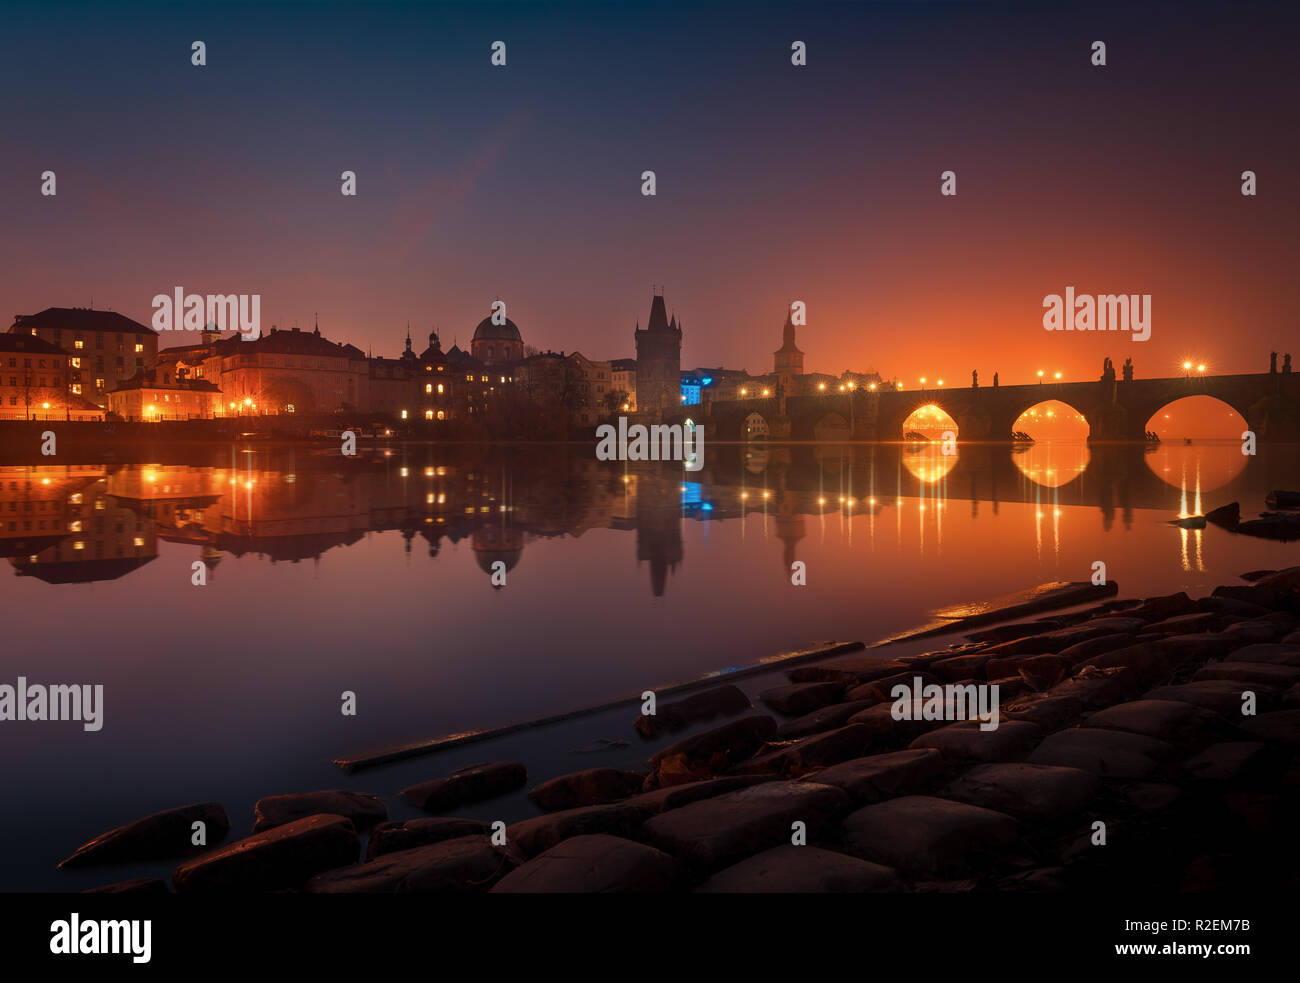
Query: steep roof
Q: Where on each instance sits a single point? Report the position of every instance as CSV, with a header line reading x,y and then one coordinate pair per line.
x,y
788,346
79,319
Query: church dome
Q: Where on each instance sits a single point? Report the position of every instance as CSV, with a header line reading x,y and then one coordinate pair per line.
x,y
487,331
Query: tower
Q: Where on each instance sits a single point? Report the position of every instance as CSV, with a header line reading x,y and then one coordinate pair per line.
x,y
659,363
787,361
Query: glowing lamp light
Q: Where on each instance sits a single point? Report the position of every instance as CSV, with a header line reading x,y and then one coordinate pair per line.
x,y
1058,375
1200,368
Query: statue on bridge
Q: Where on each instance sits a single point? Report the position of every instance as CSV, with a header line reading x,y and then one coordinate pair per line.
x,y
1286,364
1128,370
1108,370
1272,364
974,378
995,380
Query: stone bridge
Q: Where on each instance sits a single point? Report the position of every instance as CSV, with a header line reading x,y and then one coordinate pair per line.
x,y
1115,410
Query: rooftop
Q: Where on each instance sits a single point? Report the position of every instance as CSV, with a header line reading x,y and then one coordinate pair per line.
x,y
79,319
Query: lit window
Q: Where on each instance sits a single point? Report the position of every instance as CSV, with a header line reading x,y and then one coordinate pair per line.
x,y
428,414
76,363
428,387
403,414
442,415
78,344
138,348
440,389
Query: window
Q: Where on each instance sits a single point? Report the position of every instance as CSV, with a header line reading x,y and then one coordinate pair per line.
x,y
441,415
99,385
76,363
76,389
138,348
440,389
42,363
78,344
428,387
428,414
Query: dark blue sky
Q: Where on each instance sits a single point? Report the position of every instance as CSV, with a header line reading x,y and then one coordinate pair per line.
x,y
775,183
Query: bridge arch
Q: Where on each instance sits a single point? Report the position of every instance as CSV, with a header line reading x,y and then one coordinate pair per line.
x,y
1200,416
1052,419
929,420
831,428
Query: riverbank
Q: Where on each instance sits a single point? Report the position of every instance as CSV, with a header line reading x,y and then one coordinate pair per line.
x,y
1142,744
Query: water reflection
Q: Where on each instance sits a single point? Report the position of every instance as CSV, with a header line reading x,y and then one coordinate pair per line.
x,y
95,522
1051,464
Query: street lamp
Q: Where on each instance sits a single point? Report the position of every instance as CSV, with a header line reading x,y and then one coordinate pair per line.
x,y
1200,368
1040,377
1058,375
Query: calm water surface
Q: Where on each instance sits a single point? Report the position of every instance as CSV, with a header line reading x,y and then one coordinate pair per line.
x,y
374,575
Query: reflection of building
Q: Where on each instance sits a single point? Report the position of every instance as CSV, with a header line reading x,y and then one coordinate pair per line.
x,y
658,363
106,348
497,542
658,526
91,536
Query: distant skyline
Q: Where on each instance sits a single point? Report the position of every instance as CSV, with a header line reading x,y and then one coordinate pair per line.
x,y
775,183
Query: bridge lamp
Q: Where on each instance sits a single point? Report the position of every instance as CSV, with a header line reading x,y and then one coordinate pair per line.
x,y
841,389
872,387
900,386
1040,376
1200,368
821,386
1187,369
766,393
744,392
853,385
940,382
1058,375
923,380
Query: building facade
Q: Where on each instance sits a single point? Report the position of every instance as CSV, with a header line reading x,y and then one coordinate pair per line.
x,y
104,348
155,396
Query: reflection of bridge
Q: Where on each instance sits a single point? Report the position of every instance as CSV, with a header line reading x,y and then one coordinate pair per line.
x,y
811,479
1114,409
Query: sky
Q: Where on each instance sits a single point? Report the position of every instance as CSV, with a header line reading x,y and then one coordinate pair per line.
x,y
775,183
